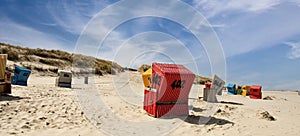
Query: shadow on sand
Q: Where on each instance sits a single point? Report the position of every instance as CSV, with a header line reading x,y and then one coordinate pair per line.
x,y
6,97
206,120
201,120
233,103
198,109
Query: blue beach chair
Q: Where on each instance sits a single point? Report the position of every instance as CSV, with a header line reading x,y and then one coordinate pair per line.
x,y
21,76
231,89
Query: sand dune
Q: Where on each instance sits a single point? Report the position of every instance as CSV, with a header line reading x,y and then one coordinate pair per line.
x,y
43,109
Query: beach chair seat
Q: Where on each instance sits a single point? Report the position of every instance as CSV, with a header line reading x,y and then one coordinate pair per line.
x,y
159,109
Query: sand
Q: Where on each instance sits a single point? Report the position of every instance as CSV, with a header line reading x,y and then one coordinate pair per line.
x,y
113,105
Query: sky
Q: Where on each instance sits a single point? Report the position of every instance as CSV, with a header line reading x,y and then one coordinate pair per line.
x,y
260,41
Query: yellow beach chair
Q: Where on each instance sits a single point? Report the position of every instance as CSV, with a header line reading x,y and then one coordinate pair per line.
x,y
147,78
246,89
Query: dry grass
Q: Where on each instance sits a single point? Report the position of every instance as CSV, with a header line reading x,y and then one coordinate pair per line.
x,y
143,68
202,80
51,62
12,55
58,59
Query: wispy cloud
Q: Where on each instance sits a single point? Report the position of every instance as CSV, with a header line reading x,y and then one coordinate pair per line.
x,y
250,24
27,36
218,7
72,17
101,26
148,47
295,50
51,25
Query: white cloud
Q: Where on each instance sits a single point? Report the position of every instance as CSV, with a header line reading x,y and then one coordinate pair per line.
x,y
18,34
217,7
72,17
295,50
148,47
176,11
253,27
296,1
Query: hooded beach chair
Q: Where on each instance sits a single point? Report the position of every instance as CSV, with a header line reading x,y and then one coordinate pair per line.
x,y
21,76
3,59
5,79
239,90
170,88
64,79
246,90
231,89
147,78
255,92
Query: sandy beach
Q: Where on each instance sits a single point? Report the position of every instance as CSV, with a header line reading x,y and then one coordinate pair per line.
x,y
43,109
149,68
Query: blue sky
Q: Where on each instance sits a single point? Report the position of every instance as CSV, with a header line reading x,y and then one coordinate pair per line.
x,y
261,40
